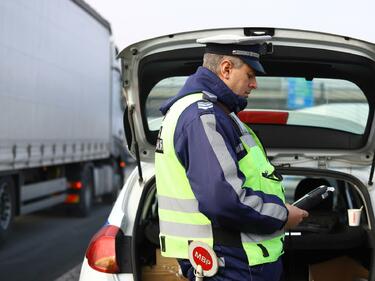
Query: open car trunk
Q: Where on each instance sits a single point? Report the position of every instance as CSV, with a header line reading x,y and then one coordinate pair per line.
x,y
313,110
323,247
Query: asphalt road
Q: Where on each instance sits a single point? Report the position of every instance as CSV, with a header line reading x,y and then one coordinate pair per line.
x,y
45,245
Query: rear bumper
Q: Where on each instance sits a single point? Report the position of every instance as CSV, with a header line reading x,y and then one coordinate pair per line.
x,y
89,274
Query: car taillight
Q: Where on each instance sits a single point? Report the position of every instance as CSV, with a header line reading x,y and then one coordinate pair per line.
x,y
101,253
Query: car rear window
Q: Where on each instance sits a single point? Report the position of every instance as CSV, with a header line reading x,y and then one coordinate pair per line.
x,y
326,103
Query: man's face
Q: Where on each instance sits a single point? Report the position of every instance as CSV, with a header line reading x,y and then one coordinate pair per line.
x,y
241,80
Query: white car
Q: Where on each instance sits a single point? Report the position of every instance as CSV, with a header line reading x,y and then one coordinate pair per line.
x,y
313,111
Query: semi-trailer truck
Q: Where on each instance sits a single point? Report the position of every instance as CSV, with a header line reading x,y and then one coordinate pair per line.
x,y
61,136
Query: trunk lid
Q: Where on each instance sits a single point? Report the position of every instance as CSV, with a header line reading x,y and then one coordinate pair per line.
x,y
314,105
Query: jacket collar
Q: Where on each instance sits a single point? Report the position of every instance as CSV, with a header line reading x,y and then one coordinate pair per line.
x,y
204,80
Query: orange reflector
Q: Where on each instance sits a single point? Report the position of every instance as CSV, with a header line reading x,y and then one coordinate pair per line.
x,y
122,164
76,185
72,198
107,264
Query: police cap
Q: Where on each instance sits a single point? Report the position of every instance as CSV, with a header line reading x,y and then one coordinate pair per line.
x,y
248,48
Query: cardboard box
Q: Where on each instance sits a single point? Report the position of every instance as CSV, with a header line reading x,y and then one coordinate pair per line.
x,y
165,269
338,269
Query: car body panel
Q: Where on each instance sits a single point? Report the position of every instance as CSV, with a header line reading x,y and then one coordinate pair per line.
x,y
123,215
125,210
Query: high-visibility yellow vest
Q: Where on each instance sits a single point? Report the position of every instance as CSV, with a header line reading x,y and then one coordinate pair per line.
x,y
179,217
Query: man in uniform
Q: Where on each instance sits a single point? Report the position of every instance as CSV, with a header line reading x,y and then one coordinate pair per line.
x,y
214,181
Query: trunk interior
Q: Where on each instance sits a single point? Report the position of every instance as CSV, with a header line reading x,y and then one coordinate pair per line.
x,y
323,247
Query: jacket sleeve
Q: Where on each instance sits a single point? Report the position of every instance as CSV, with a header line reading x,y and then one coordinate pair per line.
x,y
205,148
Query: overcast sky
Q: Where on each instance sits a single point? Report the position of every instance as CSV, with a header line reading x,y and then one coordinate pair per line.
x,y
133,21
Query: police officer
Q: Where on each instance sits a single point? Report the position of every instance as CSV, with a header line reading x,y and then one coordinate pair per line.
x,y
214,181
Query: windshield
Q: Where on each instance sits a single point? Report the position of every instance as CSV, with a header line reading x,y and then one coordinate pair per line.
x,y
320,102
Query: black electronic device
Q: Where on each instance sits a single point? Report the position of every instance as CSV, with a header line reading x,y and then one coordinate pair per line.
x,y
314,197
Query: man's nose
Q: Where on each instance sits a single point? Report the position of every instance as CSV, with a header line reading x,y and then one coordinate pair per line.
x,y
253,84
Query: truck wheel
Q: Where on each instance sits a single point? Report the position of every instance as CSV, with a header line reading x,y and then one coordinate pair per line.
x,y
86,192
7,206
118,180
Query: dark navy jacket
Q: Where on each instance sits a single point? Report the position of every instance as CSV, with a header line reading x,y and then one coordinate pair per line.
x,y
214,192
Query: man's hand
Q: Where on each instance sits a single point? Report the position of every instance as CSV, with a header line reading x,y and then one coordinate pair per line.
x,y
295,217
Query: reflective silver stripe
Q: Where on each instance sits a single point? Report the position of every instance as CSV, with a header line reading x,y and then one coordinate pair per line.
x,y
246,136
248,139
226,161
179,205
229,169
205,105
239,148
245,53
185,230
254,238
239,123
266,209
209,96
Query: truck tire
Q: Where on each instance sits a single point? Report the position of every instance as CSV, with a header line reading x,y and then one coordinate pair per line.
x,y
7,206
118,180
86,193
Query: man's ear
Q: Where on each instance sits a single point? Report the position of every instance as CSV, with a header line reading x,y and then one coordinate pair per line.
x,y
225,68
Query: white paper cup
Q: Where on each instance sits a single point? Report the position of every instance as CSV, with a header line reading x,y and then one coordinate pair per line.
x,y
354,216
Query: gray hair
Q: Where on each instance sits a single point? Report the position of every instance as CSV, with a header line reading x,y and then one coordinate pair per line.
x,y
212,61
